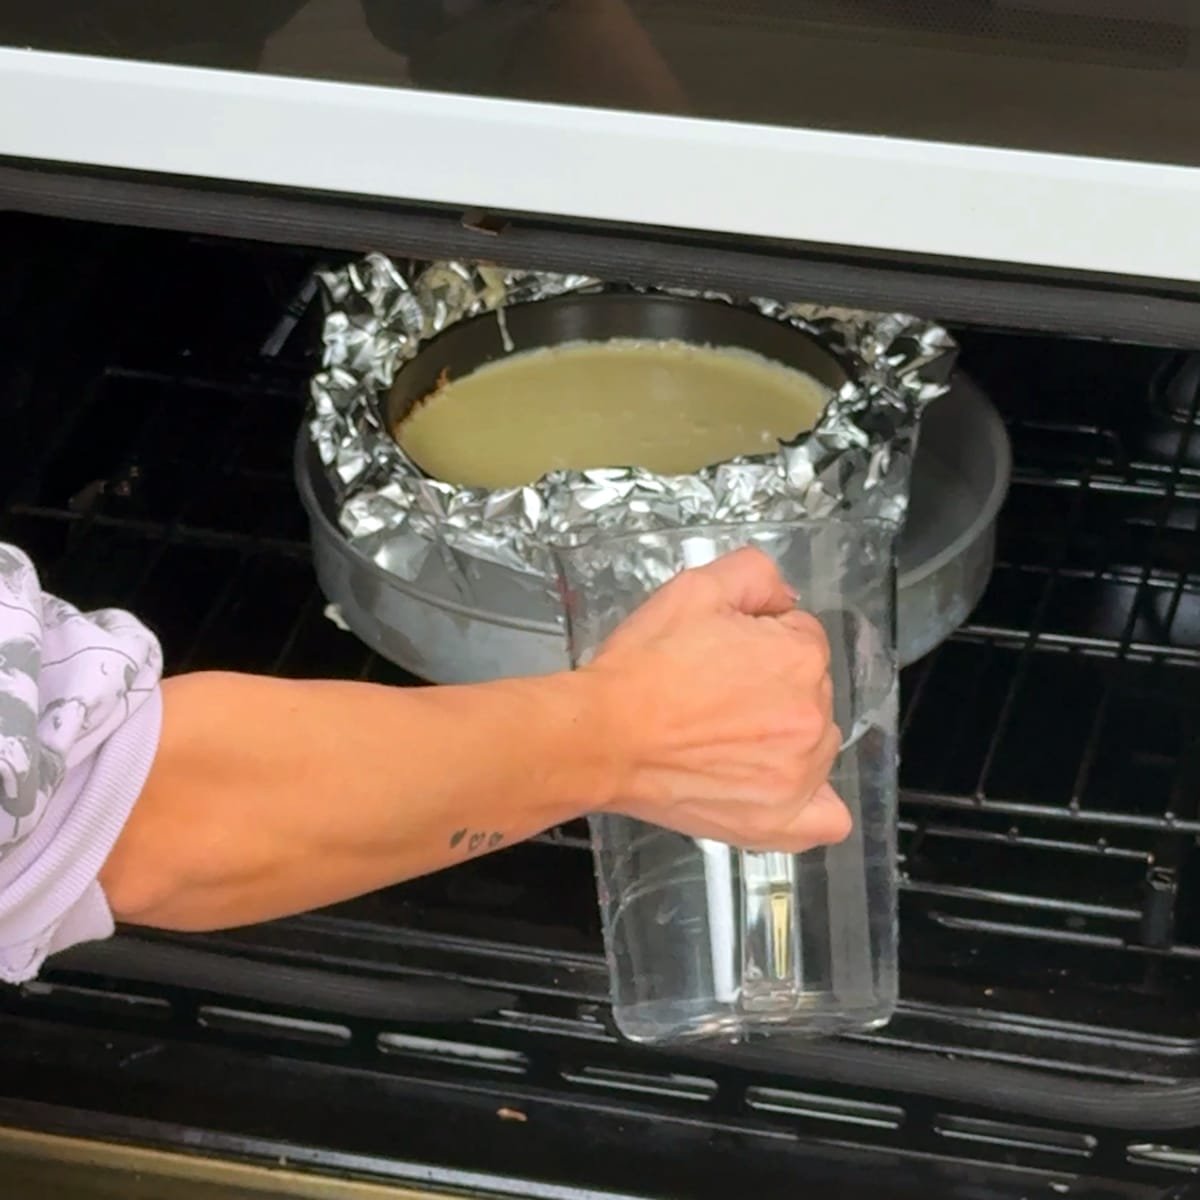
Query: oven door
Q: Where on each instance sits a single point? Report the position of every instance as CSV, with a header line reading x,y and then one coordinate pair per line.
x,y
1047,133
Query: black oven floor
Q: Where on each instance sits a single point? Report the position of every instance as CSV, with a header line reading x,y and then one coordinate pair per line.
x,y
1050,768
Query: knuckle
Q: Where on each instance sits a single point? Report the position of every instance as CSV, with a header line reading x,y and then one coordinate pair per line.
x,y
808,725
686,581
808,625
825,697
821,653
784,791
702,585
754,561
779,780
811,656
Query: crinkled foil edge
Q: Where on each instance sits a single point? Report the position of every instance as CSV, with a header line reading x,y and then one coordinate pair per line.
x,y
855,461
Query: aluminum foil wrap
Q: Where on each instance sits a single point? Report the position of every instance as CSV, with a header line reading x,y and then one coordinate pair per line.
x,y
855,461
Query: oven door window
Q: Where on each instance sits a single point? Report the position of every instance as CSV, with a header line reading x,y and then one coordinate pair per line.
x,y
1096,77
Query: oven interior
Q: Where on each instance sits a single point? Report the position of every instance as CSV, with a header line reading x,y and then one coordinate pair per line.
x,y
151,388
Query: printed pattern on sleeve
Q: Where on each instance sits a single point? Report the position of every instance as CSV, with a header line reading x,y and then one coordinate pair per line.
x,y
68,680
80,717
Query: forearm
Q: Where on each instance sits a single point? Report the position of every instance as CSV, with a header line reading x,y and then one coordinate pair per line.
x,y
269,797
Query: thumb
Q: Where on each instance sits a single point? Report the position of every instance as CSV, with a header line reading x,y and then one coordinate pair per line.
x,y
746,581
827,819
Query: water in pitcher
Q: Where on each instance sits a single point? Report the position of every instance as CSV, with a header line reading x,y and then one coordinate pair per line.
x,y
705,940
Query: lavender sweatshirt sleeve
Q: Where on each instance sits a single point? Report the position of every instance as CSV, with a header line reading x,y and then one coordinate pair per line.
x,y
80,712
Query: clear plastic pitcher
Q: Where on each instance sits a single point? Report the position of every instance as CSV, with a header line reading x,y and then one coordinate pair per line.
x,y
704,940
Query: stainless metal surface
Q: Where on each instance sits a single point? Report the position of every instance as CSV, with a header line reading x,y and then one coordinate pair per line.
x,y
960,478
946,551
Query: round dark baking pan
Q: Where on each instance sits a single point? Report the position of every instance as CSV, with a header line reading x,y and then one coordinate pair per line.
x,y
471,344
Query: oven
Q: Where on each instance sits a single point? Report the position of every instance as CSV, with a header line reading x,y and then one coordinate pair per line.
x,y
1026,172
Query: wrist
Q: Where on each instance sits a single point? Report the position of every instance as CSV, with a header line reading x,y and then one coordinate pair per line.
x,y
597,753
612,742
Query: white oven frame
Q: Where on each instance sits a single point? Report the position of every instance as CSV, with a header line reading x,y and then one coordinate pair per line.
x,y
838,189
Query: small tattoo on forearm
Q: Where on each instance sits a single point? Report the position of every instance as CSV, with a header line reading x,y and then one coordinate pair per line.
x,y
475,840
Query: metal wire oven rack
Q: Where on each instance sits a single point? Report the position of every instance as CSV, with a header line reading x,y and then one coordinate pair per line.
x,y
1051,764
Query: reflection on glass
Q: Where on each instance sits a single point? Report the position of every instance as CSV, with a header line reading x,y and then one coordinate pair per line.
x,y
1103,77
588,51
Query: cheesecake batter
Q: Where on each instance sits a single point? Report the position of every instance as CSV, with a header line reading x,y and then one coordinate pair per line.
x,y
668,407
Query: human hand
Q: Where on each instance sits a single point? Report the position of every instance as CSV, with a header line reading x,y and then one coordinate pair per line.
x,y
723,706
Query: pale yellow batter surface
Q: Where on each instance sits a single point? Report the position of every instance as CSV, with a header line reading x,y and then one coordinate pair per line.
x,y
668,407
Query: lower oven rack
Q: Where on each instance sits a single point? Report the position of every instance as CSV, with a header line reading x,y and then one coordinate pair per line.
x,y
1051,775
